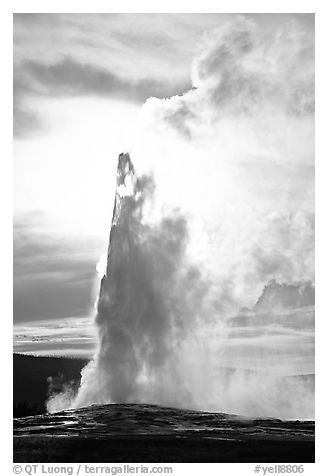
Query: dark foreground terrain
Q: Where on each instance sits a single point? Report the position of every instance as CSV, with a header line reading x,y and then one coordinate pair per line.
x,y
147,433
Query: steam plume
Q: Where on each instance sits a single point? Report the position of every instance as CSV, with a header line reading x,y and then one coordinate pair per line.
x,y
161,338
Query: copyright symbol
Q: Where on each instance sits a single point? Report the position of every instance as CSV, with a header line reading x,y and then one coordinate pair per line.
x,y
17,469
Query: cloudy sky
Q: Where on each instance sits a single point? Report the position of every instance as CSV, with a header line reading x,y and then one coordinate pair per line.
x,y
80,85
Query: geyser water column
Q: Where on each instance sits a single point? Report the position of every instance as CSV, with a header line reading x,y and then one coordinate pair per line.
x,y
130,315
144,299
117,306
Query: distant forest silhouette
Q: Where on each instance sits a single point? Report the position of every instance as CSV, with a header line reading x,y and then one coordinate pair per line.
x,y
30,380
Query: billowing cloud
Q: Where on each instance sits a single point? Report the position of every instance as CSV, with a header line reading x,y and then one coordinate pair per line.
x,y
236,152
237,72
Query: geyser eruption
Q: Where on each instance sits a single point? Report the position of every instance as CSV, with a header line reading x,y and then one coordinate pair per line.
x,y
210,305
146,306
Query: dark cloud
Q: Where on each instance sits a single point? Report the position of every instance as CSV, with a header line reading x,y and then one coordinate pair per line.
x,y
52,278
25,121
68,78
44,297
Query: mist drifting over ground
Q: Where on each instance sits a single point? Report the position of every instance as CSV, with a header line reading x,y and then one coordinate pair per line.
x,y
207,301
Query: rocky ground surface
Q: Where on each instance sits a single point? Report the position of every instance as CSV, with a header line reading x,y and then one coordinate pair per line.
x,y
134,433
